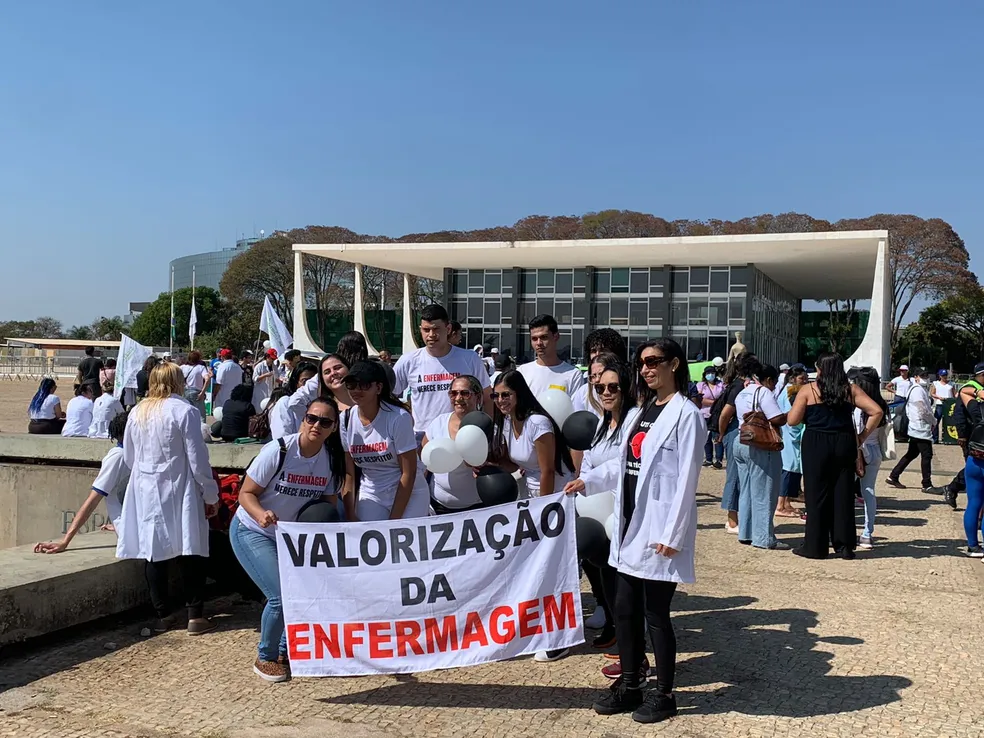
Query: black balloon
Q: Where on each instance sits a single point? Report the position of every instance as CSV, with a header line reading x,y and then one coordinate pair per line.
x,y
480,419
496,487
592,541
318,511
579,429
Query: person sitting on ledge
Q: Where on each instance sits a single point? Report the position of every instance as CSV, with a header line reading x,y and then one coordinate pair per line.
x,y
45,410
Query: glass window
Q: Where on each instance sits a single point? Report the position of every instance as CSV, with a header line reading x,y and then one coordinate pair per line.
x,y
563,312
620,311
639,281
737,308
656,278
739,278
545,281
600,313
719,280
459,310
603,281
680,336
544,306
475,310
577,343
580,281
678,312
459,281
620,280
717,345
654,310
527,281
527,311
718,313
565,282
493,310
493,283
639,312
699,276
697,345
680,280
698,311
476,280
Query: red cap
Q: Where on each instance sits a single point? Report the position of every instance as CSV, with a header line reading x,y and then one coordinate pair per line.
x,y
272,353
225,354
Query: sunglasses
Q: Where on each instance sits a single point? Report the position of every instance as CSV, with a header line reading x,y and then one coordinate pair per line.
x,y
351,384
612,387
463,394
502,395
651,362
319,420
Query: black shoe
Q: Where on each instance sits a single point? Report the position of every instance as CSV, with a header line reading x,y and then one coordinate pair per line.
x,y
618,699
656,708
894,483
605,639
933,490
706,463
974,552
950,497
845,553
718,465
744,543
803,554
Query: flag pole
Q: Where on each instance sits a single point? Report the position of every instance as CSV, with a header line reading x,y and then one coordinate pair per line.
x,y
171,345
193,304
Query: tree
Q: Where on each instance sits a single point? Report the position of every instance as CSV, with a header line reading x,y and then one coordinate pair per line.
x,y
47,327
266,269
107,329
328,282
963,312
840,322
43,327
80,332
153,327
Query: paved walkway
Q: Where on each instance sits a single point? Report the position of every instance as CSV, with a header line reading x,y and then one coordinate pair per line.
x,y
770,645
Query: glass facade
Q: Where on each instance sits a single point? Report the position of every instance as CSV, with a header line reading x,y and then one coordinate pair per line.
x,y
702,308
208,267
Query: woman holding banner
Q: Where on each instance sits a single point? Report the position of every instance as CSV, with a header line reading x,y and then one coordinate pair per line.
x,y
285,419
455,491
314,461
655,481
377,434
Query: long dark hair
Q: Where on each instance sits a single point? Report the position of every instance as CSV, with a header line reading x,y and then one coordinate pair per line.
x,y
324,389
352,347
832,382
527,405
333,444
46,387
681,376
869,382
611,363
295,376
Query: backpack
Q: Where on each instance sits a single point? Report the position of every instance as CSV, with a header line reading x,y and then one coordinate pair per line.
x,y
259,424
715,417
900,422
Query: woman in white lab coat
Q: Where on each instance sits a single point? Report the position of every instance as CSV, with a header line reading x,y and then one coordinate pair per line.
x,y
170,494
655,482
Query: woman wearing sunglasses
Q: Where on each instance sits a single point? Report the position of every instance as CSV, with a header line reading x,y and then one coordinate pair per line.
x,y
455,491
314,462
612,389
655,481
378,437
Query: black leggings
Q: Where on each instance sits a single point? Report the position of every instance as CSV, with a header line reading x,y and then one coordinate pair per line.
x,y
192,571
829,483
640,603
917,447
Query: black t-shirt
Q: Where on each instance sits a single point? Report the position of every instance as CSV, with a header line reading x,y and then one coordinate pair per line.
x,y
235,418
89,368
143,382
633,459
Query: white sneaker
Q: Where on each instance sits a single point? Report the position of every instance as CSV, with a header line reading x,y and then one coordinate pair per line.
x,y
546,656
728,528
597,621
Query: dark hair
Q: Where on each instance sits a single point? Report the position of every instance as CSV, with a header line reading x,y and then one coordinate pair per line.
x,y
527,405
150,363
433,313
352,347
295,376
241,393
291,355
681,376
90,350
544,321
455,326
869,382
607,340
473,384
194,357
504,362
731,369
45,388
110,363
794,373
768,372
612,363
274,397
333,444
117,426
374,372
832,383
323,389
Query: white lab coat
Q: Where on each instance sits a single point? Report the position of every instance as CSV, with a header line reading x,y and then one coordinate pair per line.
x,y
666,494
170,483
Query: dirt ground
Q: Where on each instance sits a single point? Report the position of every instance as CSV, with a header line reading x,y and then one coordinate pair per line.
x,y
15,396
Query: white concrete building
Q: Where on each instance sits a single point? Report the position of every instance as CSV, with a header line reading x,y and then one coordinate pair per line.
x,y
700,291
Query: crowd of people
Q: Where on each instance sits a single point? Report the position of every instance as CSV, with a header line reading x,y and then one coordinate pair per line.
x,y
351,428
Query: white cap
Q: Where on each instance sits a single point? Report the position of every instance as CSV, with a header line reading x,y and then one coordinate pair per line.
x,y
718,361
478,348
904,368
784,367
495,350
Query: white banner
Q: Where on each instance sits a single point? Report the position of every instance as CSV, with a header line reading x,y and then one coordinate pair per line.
x,y
130,361
272,325
398,596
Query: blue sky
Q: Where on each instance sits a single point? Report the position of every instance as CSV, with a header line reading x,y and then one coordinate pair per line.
x,y
132,133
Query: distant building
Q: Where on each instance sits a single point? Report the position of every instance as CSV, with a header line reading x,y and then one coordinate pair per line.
x,y
208,266
135,309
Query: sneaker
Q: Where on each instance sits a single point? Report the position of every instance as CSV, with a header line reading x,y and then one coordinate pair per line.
x,y
605,639
200,626
950,497
614,671
718,465
729,528
975,552
931,490
162,625
597,621
545,657
865,543
655,708
271,671
894,483
619,700
706,464
777,546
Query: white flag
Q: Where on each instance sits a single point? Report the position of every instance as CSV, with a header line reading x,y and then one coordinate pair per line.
x,y
271,324
192,322
131,360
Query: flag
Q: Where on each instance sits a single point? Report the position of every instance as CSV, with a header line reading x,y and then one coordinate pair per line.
x,y
192,323
271,324
131,360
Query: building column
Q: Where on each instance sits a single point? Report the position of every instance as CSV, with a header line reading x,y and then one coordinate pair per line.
x,y
875,348
359,310
302,338
409,341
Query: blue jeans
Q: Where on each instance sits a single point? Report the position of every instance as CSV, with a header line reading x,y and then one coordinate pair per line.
x,y
758,478
729,497
712,449
975,500
938,414
868,495
258,556
791,484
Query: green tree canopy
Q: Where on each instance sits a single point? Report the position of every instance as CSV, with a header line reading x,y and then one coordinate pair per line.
x,y
152,328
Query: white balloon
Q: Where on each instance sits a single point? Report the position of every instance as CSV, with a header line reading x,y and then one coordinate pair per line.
x,y
597,507
558,405
263,403
425,453
718,361
472,445
266,344
443,456
610,526
217,413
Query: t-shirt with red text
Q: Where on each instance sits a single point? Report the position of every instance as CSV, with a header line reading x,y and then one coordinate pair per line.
x,y
375,449
299,480
429,379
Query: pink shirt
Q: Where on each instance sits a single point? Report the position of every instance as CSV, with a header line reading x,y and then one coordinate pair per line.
x,y
710,392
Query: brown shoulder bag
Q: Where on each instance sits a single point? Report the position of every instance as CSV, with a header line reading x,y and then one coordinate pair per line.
x,y
756,430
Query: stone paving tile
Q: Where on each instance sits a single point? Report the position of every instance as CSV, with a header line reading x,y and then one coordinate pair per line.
x,y
770,645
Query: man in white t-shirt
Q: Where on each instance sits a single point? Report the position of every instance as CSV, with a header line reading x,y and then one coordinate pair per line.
x,y
264,378
902,384
429,371
228,375
940,390
547,371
